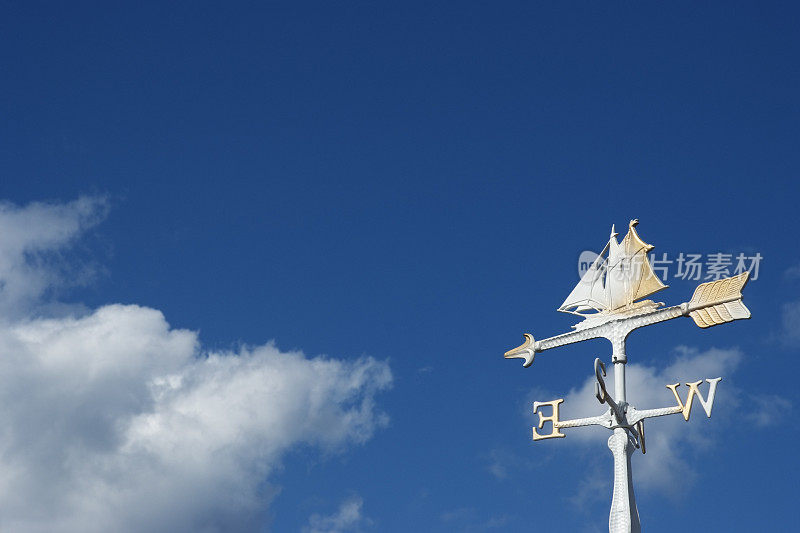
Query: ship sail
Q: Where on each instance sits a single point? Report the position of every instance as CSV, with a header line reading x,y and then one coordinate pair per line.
x,y
589,293
616,277
617,280
644,280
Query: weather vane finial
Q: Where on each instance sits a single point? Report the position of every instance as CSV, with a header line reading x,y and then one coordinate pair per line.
x,y
609,298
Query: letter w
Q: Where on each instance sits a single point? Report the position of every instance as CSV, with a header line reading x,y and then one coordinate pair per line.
x,y
707,404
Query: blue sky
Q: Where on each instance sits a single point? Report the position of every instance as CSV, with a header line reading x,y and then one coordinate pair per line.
x,y
280,250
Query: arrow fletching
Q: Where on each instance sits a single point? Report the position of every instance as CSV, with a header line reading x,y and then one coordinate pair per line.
x,y
718,302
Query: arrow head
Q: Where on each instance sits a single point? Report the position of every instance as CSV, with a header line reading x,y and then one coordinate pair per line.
x,y
526,351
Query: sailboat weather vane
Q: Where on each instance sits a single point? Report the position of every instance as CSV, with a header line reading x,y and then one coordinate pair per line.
x,y
609,299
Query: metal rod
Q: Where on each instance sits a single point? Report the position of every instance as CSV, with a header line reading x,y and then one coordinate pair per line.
x,y
619,382
624,515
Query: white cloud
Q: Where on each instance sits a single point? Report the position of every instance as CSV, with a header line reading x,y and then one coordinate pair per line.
x,y
765,410
114,421
467,519
503,461
790,322
499,463
671,441
793,272
347,518
31,240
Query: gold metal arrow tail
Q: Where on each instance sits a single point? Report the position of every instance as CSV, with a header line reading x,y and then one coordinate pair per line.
x,y
718,302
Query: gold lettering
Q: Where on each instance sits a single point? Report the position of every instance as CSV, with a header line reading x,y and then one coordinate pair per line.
x,y
693,390
552,418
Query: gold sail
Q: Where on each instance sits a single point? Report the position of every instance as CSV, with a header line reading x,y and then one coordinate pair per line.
x,y
644,281
632,242
649,282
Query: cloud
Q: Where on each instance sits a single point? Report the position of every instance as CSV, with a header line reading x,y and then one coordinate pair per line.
x,y
790,323
347,518
671,441
499,463
765,410
468,519
593,486
33,240
793,272
502,462
112,420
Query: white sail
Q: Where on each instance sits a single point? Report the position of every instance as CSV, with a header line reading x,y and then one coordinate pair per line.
x,y
589,293
616,281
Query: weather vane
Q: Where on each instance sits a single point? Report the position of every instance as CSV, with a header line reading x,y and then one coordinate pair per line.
x,y
609,299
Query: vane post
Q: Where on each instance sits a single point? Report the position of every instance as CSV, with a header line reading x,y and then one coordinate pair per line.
x,y
607,298
624,515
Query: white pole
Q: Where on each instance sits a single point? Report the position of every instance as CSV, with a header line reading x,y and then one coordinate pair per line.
x,y
619,381
624,516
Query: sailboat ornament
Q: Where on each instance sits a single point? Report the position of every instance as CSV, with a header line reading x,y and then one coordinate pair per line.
x,y
609,298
